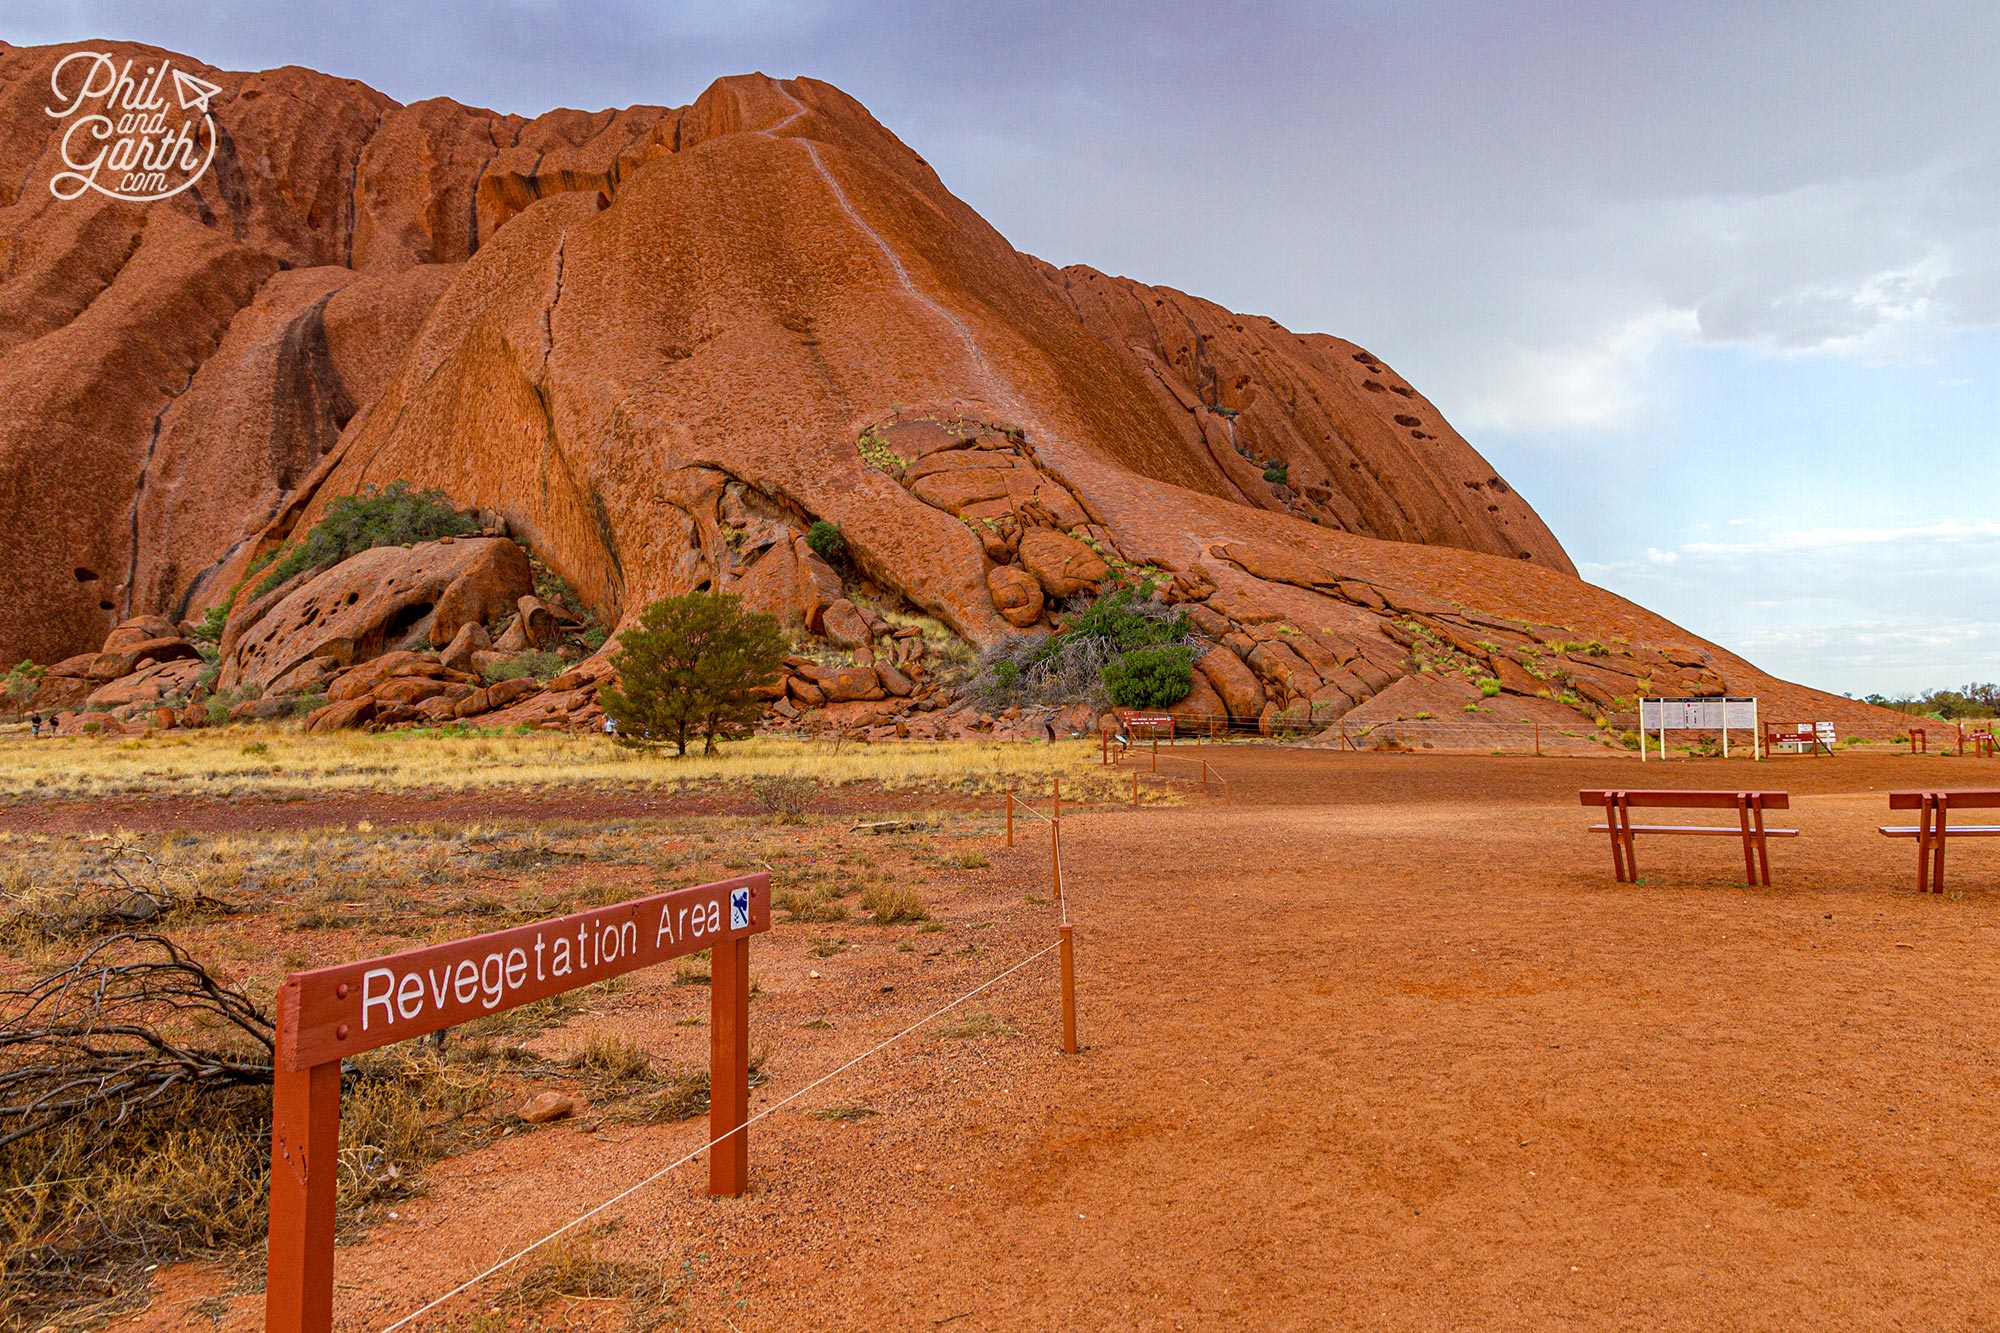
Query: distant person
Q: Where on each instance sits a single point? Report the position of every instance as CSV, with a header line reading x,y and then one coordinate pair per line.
x,y
611,726
35,722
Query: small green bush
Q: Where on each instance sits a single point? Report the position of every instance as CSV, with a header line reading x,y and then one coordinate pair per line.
x,y
209,628
826,542
539,663
1117,617
22,682
392,516
1156,676
1489,687
1277,473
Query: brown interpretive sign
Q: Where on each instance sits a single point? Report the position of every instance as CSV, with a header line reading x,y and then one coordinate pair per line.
x,y
331,1013
336,1012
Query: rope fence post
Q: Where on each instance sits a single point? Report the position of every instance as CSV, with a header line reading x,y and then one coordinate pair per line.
x,y
1055,846
729,1067
1068,955
1010,816
1135,789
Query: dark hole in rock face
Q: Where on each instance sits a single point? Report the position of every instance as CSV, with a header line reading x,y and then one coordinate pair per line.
x,y
702,586
84,575
404,620
105,606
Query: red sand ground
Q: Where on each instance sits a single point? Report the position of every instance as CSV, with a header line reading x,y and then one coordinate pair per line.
x,y
1378,1045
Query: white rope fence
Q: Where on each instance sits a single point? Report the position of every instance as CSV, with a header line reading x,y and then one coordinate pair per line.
x,y
776,1106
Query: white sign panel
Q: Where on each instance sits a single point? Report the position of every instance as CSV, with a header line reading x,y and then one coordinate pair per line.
x,y
1697,714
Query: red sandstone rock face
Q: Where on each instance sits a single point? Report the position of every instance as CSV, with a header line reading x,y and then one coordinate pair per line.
x,y
658,344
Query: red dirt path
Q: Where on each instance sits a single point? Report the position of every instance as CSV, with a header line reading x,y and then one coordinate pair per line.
x,y
1378,1045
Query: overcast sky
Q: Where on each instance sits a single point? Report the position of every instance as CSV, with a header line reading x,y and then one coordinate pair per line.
x,y
1717,286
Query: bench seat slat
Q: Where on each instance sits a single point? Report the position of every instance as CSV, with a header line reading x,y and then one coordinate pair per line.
x,y
1950,831
1711,830
1691,800
1954,800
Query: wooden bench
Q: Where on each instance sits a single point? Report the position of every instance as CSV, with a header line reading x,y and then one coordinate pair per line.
x,y
1934,825
1748,805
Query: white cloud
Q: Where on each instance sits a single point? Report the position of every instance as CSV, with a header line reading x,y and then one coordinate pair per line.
x,y
1874,270
1589,387
1858,609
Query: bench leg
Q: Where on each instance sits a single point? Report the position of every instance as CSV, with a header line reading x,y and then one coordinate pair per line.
x,y
1629,839
1749,850
1924,845
1763,850
1937,855
1611,831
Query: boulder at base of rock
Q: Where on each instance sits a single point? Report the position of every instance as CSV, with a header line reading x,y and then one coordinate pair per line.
x,y
489,584
261,710
140,629
894,681
407,690
852,683
471,638
843,625
361,680
503,692
1234,682
1016,594
538,621
377,599
1063,565
346,714
124,661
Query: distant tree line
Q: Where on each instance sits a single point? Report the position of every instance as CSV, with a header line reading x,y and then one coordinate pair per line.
x,y
1945,705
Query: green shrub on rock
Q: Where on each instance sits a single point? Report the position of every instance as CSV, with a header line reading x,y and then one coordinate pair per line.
x,y
1156,676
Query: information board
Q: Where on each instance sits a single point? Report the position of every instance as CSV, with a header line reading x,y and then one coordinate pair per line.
x,y
1697,714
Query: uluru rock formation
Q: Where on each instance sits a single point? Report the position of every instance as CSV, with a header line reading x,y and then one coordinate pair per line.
x,y
652,346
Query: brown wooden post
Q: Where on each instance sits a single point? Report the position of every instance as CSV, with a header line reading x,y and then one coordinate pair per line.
x,y
1626,837
1538,739
1611,830
1068,954
1156,750
1010,816
1135,789
305,1155
1749,849
1055,857
1937,844
1924,843
729,1067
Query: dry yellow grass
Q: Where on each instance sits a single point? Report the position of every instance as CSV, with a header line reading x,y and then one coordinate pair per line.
x,y
238,761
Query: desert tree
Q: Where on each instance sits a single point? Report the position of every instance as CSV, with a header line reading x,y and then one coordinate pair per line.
x,y
692,667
